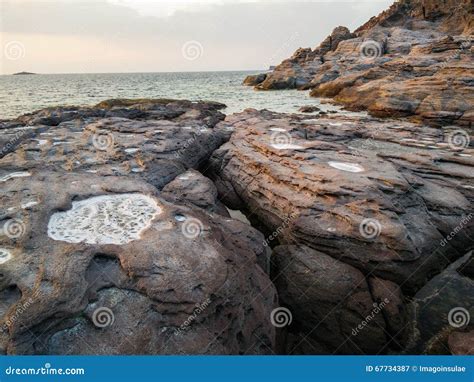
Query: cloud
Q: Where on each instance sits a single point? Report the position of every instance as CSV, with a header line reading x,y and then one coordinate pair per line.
x,y
119,36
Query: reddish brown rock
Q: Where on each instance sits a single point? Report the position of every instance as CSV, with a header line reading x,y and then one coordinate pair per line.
x,y
177,289
95,260
462,343
383,198
330,303
380,195
415,59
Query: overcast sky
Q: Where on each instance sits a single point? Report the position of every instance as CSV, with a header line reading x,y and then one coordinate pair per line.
x,y
85,36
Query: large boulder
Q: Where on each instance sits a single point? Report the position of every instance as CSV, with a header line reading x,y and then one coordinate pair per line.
x,y
380,195
102,265
95,260
254,79
330,302
388,201
442,311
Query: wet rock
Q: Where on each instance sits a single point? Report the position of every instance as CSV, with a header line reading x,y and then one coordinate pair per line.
x,y
254,80
308,109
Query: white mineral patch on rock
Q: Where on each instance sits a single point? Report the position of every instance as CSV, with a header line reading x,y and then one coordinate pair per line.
x,y
279,129
287,146
12,175
131,150
5,255
351,167
29,204
108,219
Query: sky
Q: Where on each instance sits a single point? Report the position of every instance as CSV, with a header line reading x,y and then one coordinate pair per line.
x,y
118,36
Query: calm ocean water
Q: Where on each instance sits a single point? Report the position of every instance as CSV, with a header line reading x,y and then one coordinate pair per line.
x,y
23,94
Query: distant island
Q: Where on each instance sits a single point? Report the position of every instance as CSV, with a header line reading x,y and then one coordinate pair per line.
x,y
23,74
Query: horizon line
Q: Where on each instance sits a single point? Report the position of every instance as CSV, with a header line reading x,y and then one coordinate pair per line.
x,y
164,72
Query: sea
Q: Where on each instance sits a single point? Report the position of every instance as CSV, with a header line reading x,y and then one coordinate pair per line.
x,y
22,94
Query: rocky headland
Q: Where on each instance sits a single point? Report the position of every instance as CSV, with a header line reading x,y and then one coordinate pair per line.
x,y
414,59
122,229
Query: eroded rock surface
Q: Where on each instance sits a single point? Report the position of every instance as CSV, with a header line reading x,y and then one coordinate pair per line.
x,y
95,260
155,140
415,59
327,299
144,290
389,199
441,308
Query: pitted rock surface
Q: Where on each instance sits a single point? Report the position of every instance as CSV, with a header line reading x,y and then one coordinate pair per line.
x,y
152,285
124,269
155,140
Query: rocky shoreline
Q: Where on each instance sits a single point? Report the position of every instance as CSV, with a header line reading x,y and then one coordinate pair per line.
x,y
413,60
121,230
